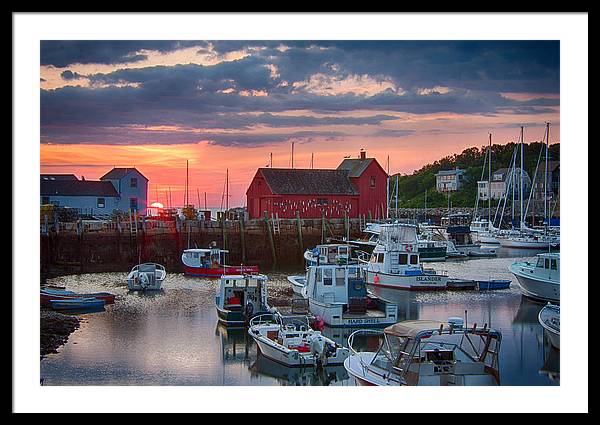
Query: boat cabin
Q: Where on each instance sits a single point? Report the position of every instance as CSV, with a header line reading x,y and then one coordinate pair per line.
x,y
548,265
204,257
332,253
456,219
397,251
239,293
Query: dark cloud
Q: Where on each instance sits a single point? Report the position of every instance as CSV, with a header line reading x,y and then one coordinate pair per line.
x,y
192,96
61,53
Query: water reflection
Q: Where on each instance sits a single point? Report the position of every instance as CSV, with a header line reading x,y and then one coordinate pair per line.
x,y
171,337
300,376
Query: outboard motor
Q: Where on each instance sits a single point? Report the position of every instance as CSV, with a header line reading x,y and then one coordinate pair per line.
x,y
144,280
317,349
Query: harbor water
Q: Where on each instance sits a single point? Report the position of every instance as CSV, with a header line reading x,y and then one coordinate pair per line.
x,y
172,337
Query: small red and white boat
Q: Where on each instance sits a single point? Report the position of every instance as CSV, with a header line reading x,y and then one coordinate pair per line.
x,y
209,262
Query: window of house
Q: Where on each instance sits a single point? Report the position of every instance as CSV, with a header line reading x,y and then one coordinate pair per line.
x,y
372,181
45,200
133,204
100,203
322,201
133,182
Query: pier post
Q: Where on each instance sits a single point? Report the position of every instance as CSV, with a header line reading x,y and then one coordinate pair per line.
x,y
346,226
323,230
299,224
270,236
243,239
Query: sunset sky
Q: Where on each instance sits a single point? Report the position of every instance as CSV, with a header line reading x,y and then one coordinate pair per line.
x,y
229,104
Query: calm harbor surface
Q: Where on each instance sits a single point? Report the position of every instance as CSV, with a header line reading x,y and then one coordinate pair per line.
x,y
173,337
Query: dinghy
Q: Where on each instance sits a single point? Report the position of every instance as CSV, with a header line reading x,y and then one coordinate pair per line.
x,y
77,304
48,294
146,277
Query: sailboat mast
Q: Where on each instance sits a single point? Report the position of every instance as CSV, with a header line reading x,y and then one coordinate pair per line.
x,y
227,191
521,181
388,188
187,199
546,176
490,185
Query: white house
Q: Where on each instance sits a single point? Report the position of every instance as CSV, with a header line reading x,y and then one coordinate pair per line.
x,y
119,189
87,196
501,182
132,187
482,190
449,180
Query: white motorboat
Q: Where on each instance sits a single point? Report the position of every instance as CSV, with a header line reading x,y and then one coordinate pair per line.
x,y
549,318
298,284
395,263
337,295
241,297
146,277
289,340
540,280
427,352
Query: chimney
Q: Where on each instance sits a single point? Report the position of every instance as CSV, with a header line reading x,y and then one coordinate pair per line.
x,y
363,154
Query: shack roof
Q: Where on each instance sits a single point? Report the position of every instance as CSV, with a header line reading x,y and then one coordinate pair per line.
x,y
287,181
118,173
77,188
355,166
58,177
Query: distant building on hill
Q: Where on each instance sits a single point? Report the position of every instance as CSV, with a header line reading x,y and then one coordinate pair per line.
x,y
449,180
503,181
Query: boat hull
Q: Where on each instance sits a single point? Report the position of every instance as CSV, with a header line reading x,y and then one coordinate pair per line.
x,y
298,283
536,288
432,254
293,358
522,244
217,272
75,304
493,284
333,316
425,282
46,298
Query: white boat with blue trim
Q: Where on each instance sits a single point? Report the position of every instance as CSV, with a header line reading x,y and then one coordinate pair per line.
x,y
539,280
337,294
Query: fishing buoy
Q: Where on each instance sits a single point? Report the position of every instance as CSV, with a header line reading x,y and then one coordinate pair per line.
x,y
376,279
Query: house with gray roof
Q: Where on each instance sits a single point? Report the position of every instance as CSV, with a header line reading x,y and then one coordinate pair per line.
x,y
449,180
119,189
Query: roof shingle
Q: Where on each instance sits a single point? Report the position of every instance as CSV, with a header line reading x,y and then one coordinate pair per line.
x,y
77,188
287,181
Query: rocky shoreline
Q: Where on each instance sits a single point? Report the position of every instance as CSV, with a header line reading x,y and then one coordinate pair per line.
x,y
55,329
